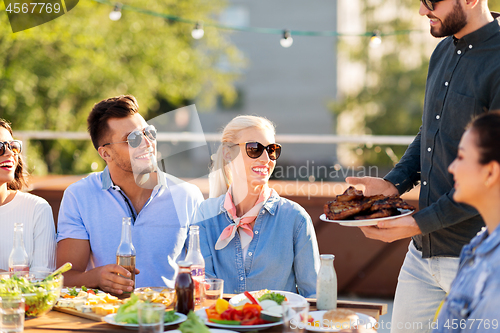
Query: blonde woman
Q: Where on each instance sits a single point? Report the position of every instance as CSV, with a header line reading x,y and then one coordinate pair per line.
x,y
19,207
250,236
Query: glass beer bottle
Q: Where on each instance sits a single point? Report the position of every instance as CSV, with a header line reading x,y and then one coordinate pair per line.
x,y
195,257
18,258
125,254
184,288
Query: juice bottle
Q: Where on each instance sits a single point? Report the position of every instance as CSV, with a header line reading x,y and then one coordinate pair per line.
x,y
184,288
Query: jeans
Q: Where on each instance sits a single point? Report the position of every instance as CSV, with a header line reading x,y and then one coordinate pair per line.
x,y
422,285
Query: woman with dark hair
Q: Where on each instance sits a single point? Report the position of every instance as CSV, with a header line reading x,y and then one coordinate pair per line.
x,y
19,207
474,299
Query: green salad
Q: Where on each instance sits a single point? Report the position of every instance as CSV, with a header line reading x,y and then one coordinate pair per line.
x,y
128,312
193,324
39,296
278,298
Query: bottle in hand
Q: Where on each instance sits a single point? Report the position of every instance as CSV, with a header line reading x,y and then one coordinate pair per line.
x,y
125,254
18,258
184,288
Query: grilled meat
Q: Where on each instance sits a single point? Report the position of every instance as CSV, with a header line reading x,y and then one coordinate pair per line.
x,y
350,194
352,204
378,214
393,201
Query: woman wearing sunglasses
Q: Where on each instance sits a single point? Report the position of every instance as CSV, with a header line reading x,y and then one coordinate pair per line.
x,y
251,237
474,298
19,207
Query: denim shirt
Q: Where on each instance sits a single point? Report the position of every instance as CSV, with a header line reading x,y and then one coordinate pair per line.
x,y
463,81
283,253
473,304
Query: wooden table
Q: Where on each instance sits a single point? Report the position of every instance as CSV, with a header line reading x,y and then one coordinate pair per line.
x,y
58,322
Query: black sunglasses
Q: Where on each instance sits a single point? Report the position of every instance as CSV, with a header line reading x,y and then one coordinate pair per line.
x,y
134,139
429,4
15,146
255,150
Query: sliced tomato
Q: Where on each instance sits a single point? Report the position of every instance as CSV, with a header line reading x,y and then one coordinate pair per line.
x,y
251,311
212,314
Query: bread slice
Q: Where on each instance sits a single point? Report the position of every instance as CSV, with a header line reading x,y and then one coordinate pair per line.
x,y
340,319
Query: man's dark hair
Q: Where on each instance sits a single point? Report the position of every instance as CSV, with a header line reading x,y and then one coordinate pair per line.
x,y
114,107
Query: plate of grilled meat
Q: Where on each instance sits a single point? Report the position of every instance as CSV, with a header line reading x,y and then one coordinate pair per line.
x,y
352,208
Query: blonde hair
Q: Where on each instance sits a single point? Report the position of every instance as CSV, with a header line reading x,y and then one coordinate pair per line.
x,y
220,174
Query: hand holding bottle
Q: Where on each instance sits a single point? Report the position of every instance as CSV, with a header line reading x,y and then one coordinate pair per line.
x,y
114,279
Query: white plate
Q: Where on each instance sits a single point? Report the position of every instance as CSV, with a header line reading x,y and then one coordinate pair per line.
x,y
292,297
364,320
110,319
241,328
212,330
367,222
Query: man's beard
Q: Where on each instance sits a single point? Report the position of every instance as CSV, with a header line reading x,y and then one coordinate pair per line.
x,y
452,24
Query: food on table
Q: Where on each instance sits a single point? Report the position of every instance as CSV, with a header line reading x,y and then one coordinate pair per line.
x,y
73,292
353,205
89,300
128,312
263,295
193,324
224,313
337,319
277,297
162,295
40,296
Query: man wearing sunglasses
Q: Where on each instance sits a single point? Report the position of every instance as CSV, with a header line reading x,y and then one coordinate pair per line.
x,y
463,81
160,206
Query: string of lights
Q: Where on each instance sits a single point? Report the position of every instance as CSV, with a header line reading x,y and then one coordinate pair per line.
x,y
286,34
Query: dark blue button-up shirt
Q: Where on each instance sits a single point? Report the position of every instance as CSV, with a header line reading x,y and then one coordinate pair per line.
x,y
463,82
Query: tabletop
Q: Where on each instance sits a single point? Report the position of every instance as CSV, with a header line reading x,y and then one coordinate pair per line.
x,y
58,322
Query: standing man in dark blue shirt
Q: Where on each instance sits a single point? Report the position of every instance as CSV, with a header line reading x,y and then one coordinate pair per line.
x,y
463,81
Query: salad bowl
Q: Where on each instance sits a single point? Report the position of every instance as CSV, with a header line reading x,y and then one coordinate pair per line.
x,y
40,295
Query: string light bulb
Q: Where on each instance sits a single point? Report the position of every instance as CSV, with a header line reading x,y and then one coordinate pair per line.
x,y
287,39
116,14
198,31
375,39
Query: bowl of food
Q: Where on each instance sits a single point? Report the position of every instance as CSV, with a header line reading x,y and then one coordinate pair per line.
x,y
162,295
39,290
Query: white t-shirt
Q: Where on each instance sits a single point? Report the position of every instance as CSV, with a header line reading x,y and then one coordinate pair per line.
x,y
39,231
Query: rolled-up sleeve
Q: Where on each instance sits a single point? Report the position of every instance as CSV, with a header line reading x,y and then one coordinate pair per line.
x,y
70,224
406,173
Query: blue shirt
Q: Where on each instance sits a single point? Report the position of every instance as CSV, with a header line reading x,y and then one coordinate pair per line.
x,y
93,208
283,254
473,304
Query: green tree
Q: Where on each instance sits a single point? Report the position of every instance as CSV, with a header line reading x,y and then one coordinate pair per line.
x,y
391,99
51,75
